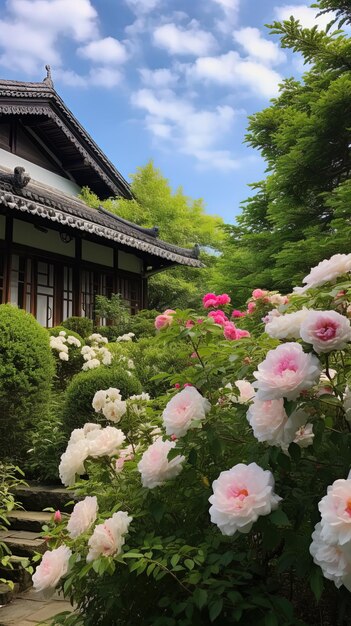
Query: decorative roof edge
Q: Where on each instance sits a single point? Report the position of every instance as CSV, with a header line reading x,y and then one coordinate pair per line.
x,y
14,202
45,89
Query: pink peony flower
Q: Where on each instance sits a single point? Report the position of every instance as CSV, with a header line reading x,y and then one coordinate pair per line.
x,y
177,385
259,293
223,299
188,385
108,538
240,496
240,334
53,566
268,419
251,307
189,324
209,300
326,271
277,299
219,317
335,510
185,407
237,313
246,390
229,331
82,517
285,372
154,466
334,561
326,330
126,454
165,319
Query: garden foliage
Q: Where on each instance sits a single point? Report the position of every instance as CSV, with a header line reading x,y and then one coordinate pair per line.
x,y
226,500
26,372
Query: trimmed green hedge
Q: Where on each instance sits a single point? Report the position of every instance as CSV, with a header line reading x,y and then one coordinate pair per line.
x,y
81,325
26,372
78,410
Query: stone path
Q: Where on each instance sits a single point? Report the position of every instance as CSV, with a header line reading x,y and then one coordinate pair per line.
x,y
30,608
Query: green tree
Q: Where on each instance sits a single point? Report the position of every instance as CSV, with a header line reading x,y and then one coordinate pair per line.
x,y
181,221
301,212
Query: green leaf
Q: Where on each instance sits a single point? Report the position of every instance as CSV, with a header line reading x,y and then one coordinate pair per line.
x,y
215,609
317,582
157,509
189,563
295,452
270,619
279,518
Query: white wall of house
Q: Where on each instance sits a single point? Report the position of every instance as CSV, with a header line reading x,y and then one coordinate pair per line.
x,y
129,262
95,253
40,174
27,235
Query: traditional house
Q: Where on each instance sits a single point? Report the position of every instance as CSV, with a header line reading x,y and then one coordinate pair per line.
x,y
56,253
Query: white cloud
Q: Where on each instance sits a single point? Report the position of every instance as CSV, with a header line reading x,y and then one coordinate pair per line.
x,y
257,47
104,77
231,70
189,41
159,78
108,51
230,8
31,32
193,132
305,14
142,6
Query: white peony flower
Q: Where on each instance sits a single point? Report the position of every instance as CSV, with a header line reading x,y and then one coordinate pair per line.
x,y
334,560
72,462
335,510
286,371
106,356
325,271
91,364
246,390
271,315
52,567
268,419
99,400
326,330
240,496
154,466
125,454
113,394
286,326
83,516
298,430
73,341
143,397
114,411
63,356
62,333
185,407
104,442
108,538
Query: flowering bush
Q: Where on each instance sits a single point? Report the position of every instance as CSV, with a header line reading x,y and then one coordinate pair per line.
x,y
226,500
66,347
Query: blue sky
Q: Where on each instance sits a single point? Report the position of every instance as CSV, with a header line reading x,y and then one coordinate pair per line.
x,y
171,80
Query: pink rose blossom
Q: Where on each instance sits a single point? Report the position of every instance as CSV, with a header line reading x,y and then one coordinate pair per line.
x,y
53,566
335,510
259,293
237,313
286,371
82,517
154,466
184,408
326,330
165,319
108,538
251,307
240,496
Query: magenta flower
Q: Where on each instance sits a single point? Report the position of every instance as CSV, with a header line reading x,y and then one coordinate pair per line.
x,y
165,319
237,313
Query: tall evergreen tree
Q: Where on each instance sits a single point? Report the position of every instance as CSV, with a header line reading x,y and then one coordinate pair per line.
x,y
301,212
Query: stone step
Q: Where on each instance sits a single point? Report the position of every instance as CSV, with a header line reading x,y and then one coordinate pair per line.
x,y
23,542
7,594
16,573
29,520
36,497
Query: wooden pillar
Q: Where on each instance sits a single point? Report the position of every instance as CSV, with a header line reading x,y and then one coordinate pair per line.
x,y
76,278
8,252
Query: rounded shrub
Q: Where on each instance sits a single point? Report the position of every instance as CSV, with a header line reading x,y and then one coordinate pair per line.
x,y
65,370
26,372
81,325
78,410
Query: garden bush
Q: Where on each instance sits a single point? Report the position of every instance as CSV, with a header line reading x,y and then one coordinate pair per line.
x,y
77,407
238,511
70,363
26,373
80,325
